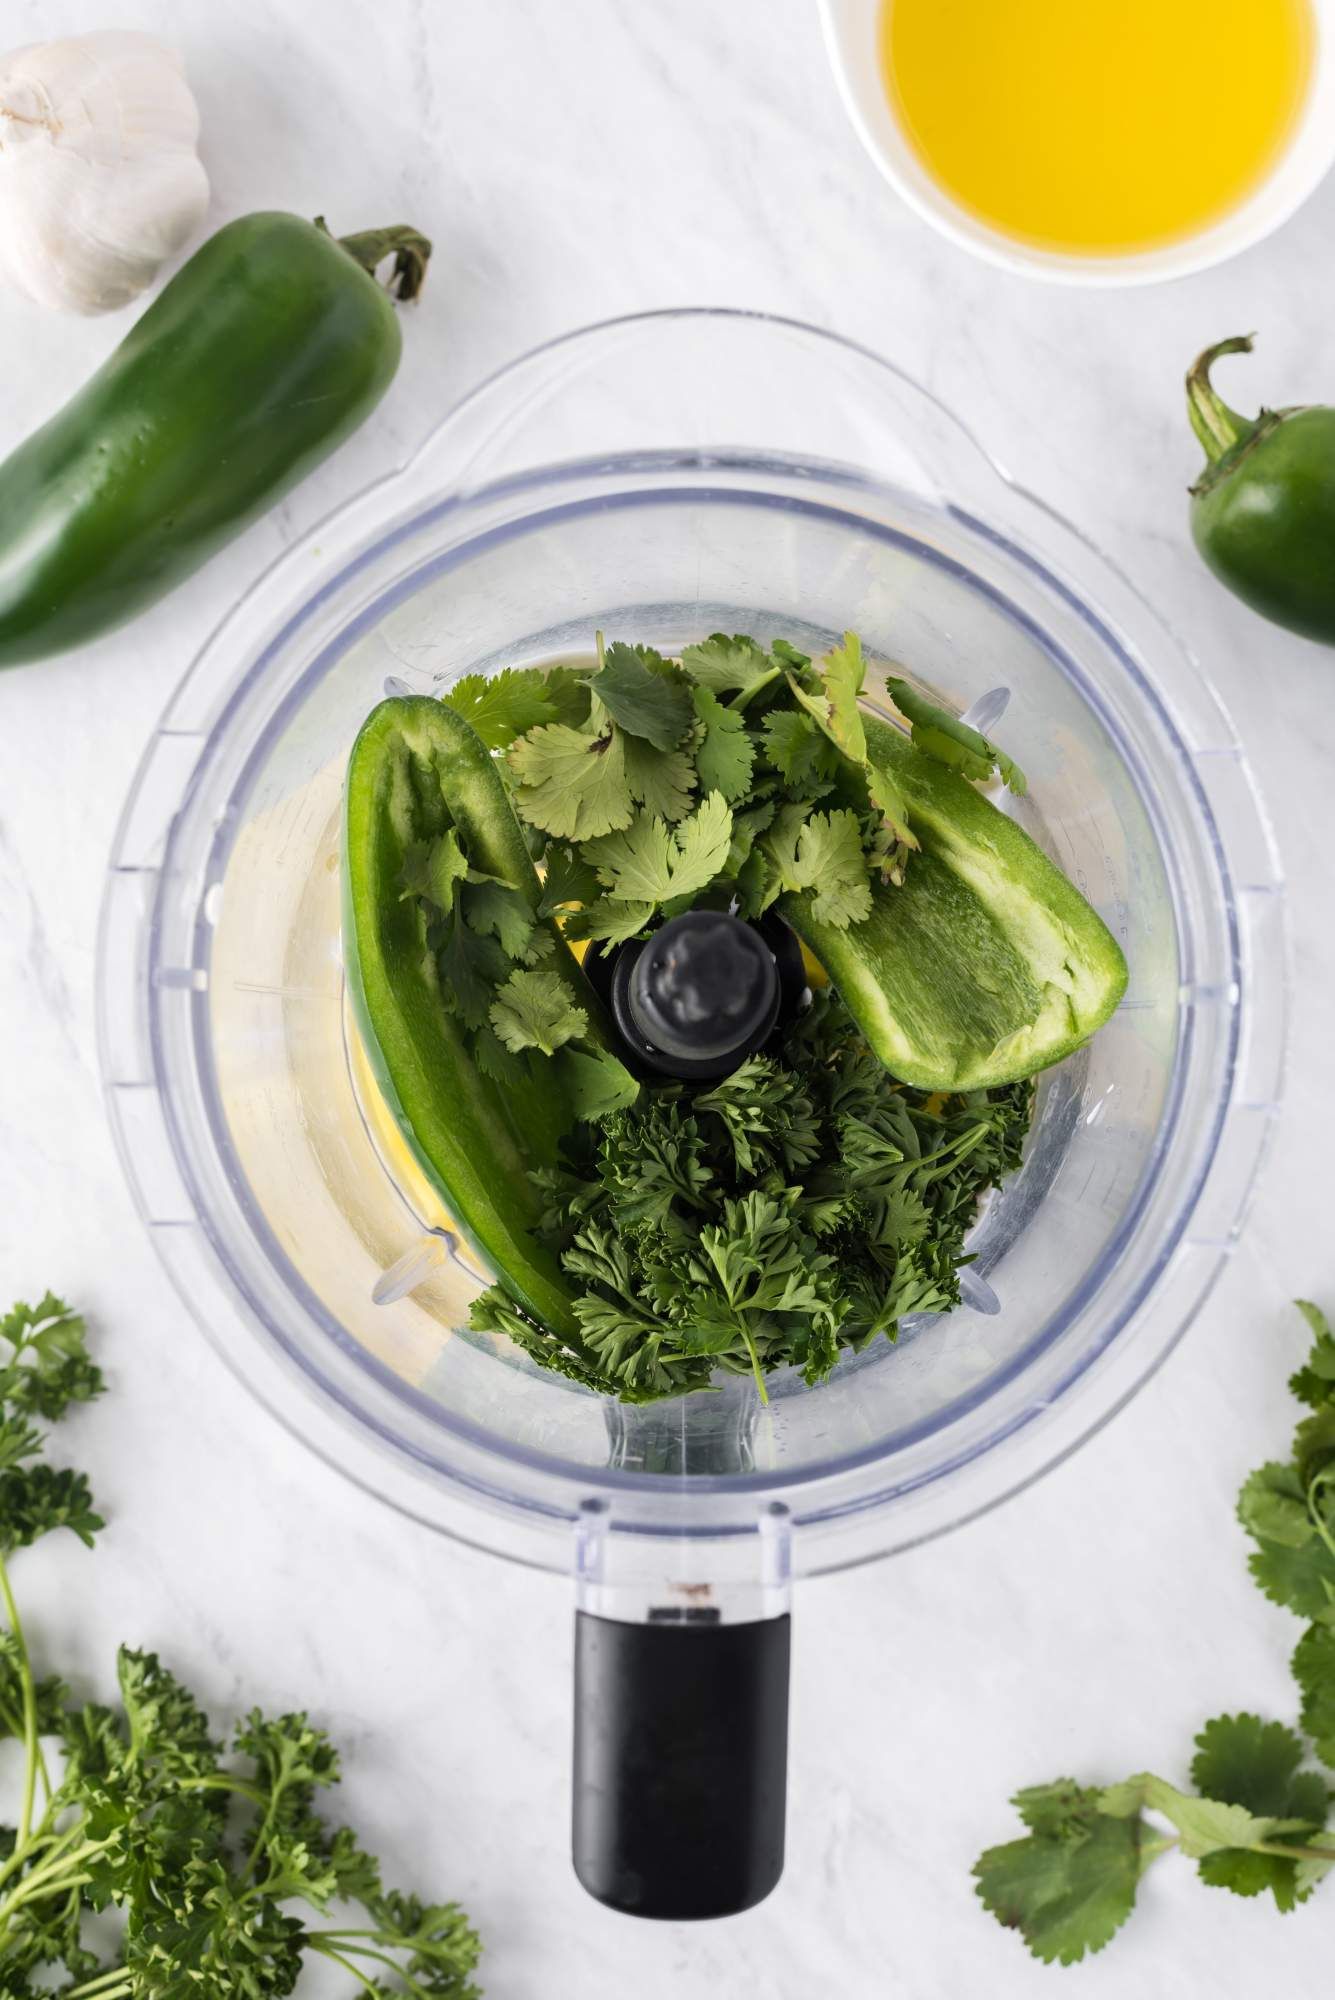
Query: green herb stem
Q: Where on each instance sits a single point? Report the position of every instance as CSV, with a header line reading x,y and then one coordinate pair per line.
x,y
222,1781
51,1876
318,1939
105,1986
29,1709
22,1856
1293,1851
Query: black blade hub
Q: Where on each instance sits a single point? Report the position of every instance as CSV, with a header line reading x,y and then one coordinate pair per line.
x,y
702,993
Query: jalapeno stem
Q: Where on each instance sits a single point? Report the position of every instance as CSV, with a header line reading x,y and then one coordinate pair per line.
x,y
410,250
1219,428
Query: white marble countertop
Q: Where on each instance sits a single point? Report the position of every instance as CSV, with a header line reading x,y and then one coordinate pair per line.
x,y
575,161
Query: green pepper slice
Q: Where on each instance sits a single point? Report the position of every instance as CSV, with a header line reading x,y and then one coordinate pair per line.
x,y
266,350
986,964
418,770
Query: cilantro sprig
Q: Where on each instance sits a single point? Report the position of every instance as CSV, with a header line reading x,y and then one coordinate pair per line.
x,y
725,778
1259,1820
756,747
802,1206
226,1876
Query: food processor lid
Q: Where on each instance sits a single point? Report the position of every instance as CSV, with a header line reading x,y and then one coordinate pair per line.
x,y
692,410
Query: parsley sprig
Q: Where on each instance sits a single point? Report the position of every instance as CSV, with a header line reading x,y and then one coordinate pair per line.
x,y
1258,1821
802,1206
208,1855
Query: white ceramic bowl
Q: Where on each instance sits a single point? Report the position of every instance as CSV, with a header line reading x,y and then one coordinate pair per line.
x,y
851,37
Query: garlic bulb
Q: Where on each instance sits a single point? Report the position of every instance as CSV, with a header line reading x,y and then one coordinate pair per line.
x,y
99,181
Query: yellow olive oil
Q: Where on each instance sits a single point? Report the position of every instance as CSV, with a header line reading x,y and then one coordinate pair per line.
x,y
1098,126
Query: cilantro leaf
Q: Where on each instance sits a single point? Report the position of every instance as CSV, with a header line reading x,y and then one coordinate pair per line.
x,y
830,864
822,854
660,780
568,693
1293,1564
836,714
889,800
651,862
567,880
470,966
835,710
492,1057
1248,1763
943,736
1069,1885
572,783
802,754
433,868
1314,1671
610,920
504,705
724,758
730,666
1314,1382
644,695
1204,1826
596,1085
533,1010
494,909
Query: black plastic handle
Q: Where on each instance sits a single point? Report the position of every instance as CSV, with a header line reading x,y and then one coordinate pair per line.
x,y
681,1763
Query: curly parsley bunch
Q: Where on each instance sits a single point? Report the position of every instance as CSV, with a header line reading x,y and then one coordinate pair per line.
x,y
805,1204
215,1861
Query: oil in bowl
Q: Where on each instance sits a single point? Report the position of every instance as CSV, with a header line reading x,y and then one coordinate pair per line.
x,y
1098,127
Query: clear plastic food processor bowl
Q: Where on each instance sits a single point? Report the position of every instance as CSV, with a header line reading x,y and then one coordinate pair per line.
x,y
662,478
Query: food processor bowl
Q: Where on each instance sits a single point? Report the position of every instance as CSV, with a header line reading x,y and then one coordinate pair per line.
x,y
660,478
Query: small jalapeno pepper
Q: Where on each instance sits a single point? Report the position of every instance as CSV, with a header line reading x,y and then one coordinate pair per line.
x,y
1263,511
261,356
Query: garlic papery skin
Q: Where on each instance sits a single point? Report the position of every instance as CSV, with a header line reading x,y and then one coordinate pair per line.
x,y
99,179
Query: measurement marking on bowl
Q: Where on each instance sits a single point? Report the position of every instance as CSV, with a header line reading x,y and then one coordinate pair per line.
x,y
193,978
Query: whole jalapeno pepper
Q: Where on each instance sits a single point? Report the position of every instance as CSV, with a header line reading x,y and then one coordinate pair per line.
x,y
265,351
1263,511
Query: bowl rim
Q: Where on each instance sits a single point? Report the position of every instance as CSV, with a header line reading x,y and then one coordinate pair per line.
x,y
848,28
